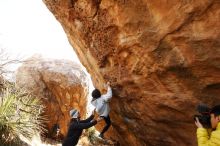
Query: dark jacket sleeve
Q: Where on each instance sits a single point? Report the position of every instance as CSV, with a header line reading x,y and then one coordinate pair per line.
x,y
86,125
87,120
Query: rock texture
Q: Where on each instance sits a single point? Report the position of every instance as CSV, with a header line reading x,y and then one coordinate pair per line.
x,y
61,84
162,59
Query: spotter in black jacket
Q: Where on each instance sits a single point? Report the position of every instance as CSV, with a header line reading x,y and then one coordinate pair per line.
x,y
75,130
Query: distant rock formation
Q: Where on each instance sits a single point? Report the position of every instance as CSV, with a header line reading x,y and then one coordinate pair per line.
x,y
61,84
162,58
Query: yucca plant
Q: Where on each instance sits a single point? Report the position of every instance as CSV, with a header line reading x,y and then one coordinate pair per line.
x,y
20,115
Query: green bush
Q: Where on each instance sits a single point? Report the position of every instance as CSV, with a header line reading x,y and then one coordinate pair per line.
x,y
91,134
20,114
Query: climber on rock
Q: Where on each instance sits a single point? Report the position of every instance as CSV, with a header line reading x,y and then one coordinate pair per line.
x,y
101,104
76,127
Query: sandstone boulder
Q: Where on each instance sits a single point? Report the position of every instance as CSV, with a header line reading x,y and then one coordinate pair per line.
x,y
61,84
162,58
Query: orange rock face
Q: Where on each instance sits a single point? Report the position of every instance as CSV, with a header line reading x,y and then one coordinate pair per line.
x,y
60,83
161,57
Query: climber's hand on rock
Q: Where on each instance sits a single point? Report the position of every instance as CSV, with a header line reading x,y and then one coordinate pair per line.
x,y
107,85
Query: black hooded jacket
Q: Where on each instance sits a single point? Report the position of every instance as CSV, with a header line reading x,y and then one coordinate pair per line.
x,y
75,130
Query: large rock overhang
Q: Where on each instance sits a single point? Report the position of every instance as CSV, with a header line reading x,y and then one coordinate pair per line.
x,y
161,57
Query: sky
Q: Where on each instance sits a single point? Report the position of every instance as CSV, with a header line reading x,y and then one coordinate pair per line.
x,y
27,27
